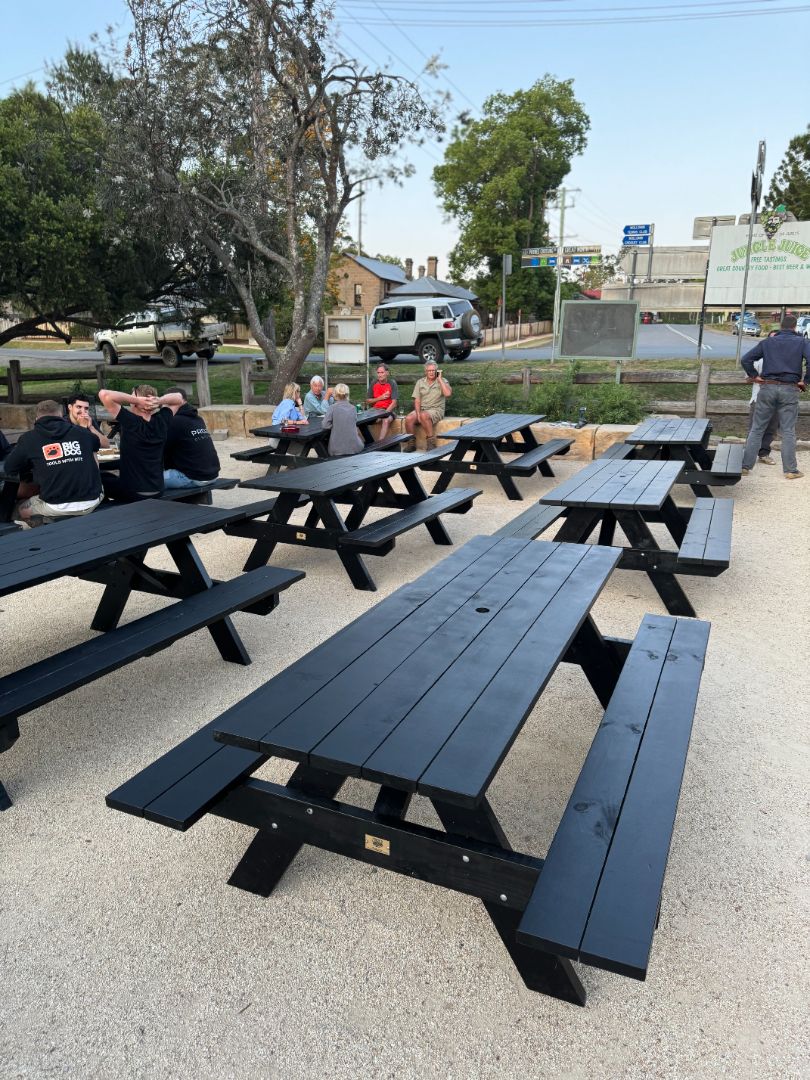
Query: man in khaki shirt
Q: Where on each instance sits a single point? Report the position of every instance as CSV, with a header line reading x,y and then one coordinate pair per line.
x,y
429,396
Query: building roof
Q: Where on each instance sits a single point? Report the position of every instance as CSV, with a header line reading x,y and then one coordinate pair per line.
x,y
431,286
383,270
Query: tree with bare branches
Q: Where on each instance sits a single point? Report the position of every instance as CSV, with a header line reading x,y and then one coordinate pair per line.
x,y
240,126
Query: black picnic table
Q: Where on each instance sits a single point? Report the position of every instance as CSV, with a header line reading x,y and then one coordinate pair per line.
x,y
312,439
424,695
688,441
489,437
362,481
633,495
110,548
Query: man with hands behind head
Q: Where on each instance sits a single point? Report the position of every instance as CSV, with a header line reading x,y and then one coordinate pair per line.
x,y
144,429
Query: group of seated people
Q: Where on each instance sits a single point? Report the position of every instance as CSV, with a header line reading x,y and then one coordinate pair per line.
x,y
163,443
335,410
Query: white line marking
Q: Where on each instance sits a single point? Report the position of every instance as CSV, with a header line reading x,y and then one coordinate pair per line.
x,y
692,341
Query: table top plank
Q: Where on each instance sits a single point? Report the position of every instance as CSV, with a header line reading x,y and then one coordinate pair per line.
x,y
68,547
383,696
474,636
468,720
670,432
253,719
389,661
494,427
469,760
314,429
614,483
334,475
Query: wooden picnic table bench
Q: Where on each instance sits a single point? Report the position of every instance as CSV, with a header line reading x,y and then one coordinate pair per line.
x,y
459,659
688,441
111,549
362,481
631,494
489,437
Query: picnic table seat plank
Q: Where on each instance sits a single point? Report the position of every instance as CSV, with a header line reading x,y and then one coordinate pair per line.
x,y
727,460
598,896
36,684
314,694
617,450
532,522
708,533
374,535
529,461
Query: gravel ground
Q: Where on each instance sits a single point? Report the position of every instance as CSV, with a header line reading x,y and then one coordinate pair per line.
x,y
125,953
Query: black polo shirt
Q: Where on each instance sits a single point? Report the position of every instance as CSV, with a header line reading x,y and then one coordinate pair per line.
x,y
142,445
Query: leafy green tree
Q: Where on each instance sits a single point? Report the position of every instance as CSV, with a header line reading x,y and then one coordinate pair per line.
x,y
62,257
791,181
495,180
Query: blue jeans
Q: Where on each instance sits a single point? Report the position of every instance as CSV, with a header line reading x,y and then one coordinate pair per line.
x,y
173,478
781,399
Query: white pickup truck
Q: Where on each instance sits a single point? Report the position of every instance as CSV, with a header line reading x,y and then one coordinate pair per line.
x,y
164,332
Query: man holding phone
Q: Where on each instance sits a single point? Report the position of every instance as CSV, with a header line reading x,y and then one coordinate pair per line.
x,y
429,397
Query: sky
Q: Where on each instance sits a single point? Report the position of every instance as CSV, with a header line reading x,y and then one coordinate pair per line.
x,y
678,99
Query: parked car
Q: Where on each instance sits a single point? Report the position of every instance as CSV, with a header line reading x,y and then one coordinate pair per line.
x,y
803,325
166,332
750,326
429,327
645,317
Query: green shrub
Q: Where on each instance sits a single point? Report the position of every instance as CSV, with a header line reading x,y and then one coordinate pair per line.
x,y
612,403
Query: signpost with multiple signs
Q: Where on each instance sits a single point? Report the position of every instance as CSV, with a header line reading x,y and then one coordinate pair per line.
x,y
572,256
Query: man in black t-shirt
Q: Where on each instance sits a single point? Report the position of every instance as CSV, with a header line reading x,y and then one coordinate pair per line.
x,y
144,428
190,457
61,458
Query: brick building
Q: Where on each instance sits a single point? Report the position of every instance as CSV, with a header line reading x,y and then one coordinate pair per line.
x,y
363,282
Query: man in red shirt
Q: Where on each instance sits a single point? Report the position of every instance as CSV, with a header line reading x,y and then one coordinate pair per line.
x,y
384,397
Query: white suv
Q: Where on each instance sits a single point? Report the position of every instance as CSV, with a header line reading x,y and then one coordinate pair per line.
x,y
429,327
803,326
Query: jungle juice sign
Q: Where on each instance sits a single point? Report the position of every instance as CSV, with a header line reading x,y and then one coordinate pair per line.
x,y
779,271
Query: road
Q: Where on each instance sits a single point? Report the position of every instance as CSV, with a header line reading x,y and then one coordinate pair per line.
x,y
661,341
658,342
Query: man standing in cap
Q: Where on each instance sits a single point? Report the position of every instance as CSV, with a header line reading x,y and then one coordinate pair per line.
x,y
780,382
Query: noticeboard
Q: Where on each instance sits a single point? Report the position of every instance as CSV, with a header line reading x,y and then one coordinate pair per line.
x,y
603,329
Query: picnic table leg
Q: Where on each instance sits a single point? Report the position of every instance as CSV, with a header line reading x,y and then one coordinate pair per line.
x,y
577,525
116,592
491,456
599,662
5,798
417,492
196,579
266,860
607,530
280,515
352,563
666,585
543,972
446,475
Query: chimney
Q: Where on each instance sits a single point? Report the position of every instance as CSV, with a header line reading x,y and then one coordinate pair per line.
x,y
421,271
409,269
432,264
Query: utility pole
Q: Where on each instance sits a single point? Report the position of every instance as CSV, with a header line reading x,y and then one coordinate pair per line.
x,y
360,223
506,269
559,197
756,195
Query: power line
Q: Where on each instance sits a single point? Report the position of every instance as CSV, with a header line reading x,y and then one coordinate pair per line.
x,y
503,21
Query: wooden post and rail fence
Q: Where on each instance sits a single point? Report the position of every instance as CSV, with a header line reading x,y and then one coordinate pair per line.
x,y
253,381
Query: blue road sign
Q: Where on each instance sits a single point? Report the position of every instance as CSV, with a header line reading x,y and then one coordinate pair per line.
x,y
636,241
629,230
